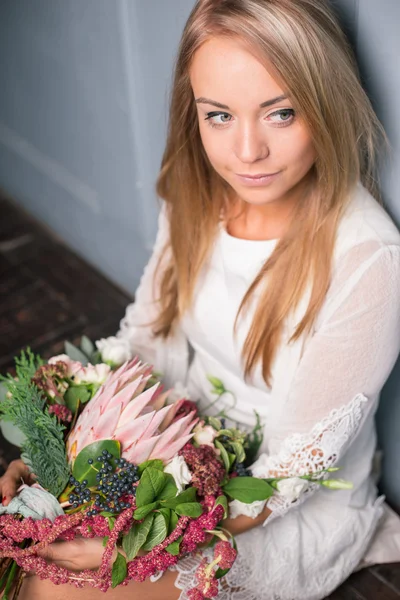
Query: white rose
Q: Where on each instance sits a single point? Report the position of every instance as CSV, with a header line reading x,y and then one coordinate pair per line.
x,y
179,470
204,435
114,350
237,508
292,488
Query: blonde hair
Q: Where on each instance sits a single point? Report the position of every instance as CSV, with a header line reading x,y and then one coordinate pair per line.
x,y
308,51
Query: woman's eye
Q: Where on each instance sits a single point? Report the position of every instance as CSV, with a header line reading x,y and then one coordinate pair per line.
x,y
282,117
216,119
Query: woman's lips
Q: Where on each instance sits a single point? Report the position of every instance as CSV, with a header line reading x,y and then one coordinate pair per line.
x,y
257,180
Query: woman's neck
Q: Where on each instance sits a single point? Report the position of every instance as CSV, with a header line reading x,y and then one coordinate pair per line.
x,y
250,222
268,221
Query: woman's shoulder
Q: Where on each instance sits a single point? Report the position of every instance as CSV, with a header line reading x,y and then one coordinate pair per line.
x,y
365,223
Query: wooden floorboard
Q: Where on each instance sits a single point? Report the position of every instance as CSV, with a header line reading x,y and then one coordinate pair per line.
x,y
48,294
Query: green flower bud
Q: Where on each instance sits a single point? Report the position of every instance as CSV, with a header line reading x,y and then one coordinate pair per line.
x,y
337,484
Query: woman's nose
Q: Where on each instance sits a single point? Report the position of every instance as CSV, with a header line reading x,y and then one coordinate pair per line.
x,y
251,144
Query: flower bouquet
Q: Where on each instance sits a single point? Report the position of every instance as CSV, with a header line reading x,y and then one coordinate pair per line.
x,y
113,459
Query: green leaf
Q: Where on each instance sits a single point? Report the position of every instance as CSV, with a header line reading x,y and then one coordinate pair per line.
x,y
155,463
232,458
95,358
82,470
166,513
151,483
76,394
238,450
173,548
75,354
136,537
224,455
224,502
248,489
189,509
220,573
188,495
87,346
173,522
158,532
254,441
111,523
119,570
169,490
143,511
105,540
214,422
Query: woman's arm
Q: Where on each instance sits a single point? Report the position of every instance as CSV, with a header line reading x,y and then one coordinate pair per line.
x,y
342,371
242,523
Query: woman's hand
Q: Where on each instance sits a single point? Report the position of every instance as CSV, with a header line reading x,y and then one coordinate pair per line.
x,y
80,554
16,474
242,523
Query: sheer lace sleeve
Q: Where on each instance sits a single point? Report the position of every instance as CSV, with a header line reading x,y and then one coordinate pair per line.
x,y
136,324
344,365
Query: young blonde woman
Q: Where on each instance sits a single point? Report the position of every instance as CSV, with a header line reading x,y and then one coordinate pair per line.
x,y
277,265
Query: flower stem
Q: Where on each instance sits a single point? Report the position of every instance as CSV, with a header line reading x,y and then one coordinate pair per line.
x,y
19,585
10,580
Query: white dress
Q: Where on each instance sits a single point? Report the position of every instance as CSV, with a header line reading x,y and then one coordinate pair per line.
x,y
320,409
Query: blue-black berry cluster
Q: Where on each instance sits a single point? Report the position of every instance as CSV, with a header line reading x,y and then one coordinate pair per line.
x,y
242,471
82,493
115,486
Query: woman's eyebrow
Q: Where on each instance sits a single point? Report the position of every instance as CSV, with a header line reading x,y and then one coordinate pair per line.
x,y
265,104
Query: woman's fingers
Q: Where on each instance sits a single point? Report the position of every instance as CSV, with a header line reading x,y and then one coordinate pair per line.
x,y
76,555
11,480
61,553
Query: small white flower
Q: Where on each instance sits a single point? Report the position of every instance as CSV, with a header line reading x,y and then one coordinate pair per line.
x,y
292,488
237,508
60,357
204,435
114,350
179,470
94,373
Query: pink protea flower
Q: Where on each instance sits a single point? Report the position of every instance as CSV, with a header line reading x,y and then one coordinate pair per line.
x,y
225,554
123,410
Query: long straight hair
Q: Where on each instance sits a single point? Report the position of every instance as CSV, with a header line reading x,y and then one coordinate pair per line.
x,y
308,51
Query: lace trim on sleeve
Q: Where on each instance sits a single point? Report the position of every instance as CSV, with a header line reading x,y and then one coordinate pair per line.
x,y
301,454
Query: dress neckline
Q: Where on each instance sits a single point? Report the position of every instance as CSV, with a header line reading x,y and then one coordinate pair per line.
x,y
260,244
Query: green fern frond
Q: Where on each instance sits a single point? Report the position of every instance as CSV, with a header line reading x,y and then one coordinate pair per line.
x,y
44,448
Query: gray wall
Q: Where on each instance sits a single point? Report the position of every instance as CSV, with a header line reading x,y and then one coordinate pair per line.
x,y
82,127
82,119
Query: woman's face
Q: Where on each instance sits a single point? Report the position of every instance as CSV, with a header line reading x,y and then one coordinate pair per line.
x,y
249,130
